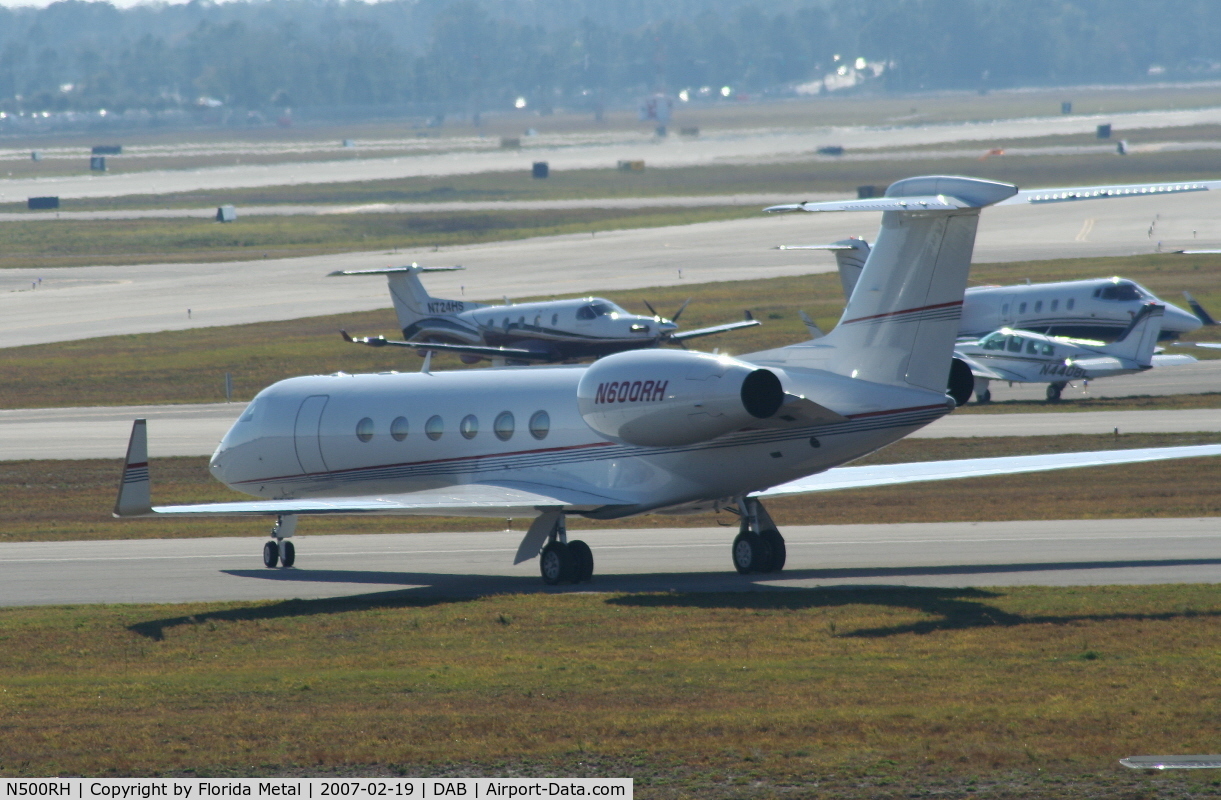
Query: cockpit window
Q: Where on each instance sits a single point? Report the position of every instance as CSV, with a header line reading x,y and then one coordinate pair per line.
x,y
994,341
1119,291
586,312
250,411
603,308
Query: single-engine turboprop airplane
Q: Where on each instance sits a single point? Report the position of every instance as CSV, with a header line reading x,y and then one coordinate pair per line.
x,y
639,431
546,331
1026,357
1096,308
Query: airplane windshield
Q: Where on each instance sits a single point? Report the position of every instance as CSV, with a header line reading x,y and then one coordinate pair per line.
x,y
601,308
1120,291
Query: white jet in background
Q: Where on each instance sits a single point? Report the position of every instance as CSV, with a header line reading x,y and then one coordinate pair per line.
x,y
645,431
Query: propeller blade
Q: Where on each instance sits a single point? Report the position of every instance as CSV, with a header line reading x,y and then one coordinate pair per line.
x,y
680,311
652,310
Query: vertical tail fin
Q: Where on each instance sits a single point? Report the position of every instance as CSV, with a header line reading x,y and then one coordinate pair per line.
x,y
412,303
901,321
135,491
1139,340
1199,310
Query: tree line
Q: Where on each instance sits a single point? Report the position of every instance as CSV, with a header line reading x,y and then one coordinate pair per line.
x,y
475,55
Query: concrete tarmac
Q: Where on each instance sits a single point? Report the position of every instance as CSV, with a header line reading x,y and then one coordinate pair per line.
x,y
87,302
195,430
1056,553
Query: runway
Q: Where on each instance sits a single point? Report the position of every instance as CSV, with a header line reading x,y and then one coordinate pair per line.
x,y
1065,553
88,302
195,430
581,151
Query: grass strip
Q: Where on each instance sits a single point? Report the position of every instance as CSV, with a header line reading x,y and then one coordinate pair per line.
x,y
871,692
189,366
71,500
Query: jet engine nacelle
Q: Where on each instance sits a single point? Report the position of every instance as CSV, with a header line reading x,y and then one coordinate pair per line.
x,y
665,398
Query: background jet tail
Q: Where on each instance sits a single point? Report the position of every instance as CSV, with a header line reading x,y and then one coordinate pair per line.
x,y
1140,338
1199,310
412,303
901,321
850,256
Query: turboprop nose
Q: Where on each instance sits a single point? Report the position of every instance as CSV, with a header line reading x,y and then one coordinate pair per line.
x,y
1177,321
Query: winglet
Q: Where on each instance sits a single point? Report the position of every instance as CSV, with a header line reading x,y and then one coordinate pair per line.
x,y
135,494
1199,310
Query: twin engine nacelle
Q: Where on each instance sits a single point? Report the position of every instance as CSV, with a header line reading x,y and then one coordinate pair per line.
x,y
665,398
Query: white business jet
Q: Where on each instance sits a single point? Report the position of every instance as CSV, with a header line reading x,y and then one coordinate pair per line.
x,y
642,431
546,331
1097,308
1025,357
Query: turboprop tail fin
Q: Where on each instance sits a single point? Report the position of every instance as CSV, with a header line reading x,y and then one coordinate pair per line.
x,y
1140,338
412,303
901,321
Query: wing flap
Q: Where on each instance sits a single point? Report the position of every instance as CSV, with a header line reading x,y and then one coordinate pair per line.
x,y
891,474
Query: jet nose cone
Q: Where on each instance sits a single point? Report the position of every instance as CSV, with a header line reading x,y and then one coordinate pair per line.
x,y
1180,321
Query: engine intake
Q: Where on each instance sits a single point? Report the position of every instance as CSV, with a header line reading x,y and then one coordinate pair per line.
x,y
667,398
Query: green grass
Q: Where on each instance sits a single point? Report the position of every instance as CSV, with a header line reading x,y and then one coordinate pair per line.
x,y
878,692
71,500
67,243
189,366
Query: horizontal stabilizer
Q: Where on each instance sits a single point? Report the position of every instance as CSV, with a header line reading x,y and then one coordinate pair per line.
x,y
978,369
891,474
1069,194
927,203
1172,762
413,268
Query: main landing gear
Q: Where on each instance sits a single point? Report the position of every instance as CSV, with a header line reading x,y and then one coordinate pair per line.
x,y
563,561
1053,391
758,547
280,550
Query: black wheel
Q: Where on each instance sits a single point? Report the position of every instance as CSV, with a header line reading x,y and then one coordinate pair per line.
x,y
288,554
582,560
1053,392
775,541
751,553
984,397
555,564
271,554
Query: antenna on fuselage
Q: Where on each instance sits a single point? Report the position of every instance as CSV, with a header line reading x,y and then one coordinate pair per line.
x,y
425,367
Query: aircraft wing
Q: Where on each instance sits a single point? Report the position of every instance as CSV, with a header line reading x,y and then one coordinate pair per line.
x,y
515,353
698,332
978,369
891,474
1101,363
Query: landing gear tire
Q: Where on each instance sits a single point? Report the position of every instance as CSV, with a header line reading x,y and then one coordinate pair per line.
x,y
271,554
772,538
1053,392
555,564
288,554
751,553
984,397
582,561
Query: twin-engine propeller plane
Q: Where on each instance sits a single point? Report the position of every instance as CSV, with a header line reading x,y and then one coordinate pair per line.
x,y
1096,308
642,431
1025,357
548,331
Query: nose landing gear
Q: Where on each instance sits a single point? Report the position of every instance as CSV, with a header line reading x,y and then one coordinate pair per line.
x,y
758,547
281,551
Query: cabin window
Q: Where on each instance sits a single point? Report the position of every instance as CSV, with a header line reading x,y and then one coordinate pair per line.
x,y
1022,308
434,427
1032,347
364,429
521,321
540,425
506,323
1048,350
1015,344
503,426
538,320
1054,305
555,319
469,426
1070,303
1005,309
586,312
398,429
1038,306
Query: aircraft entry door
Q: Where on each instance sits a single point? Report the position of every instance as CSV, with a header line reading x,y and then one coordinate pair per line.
x,y
306,432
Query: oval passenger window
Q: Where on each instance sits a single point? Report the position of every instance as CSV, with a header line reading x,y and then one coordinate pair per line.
x,y
398,429
540,425
364,429
503,426
469,426
434,427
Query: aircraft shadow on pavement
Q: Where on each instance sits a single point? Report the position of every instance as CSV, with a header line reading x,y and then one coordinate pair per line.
x,y
957,608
